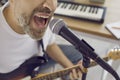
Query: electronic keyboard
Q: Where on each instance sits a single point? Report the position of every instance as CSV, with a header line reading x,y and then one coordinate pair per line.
x,y
81,11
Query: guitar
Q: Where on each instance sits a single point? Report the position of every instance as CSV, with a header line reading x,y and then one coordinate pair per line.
x,y
24,70
113,54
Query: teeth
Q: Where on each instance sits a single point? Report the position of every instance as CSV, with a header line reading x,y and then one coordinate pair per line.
x,y
42,16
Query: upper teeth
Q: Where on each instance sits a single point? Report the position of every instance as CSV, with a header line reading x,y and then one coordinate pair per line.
x,y
42,16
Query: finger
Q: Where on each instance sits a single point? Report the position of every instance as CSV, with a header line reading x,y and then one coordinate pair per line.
x,y
71,76
81,66
74,73
79,74
79,62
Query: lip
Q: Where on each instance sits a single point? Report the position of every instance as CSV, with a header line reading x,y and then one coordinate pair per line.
x,y
41,20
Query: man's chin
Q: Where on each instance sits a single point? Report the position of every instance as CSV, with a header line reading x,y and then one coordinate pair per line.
x,y
36,37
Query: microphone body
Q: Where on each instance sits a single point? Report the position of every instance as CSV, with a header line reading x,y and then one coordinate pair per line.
x,y
59,27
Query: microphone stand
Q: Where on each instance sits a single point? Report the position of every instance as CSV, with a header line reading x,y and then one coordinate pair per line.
x,y
86,63
88,51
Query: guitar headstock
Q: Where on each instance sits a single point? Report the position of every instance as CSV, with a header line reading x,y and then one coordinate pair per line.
x,y
114,53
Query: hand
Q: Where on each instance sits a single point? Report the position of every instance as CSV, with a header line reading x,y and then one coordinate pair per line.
x,y
76,73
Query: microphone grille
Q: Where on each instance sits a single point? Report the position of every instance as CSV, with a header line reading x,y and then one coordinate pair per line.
x,y
56,25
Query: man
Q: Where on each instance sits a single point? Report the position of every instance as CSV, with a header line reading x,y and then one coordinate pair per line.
x,y
23,24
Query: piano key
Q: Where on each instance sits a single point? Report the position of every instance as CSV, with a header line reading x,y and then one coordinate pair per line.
x,y
76,7
81,11
87,9
59,5
96,10
68,7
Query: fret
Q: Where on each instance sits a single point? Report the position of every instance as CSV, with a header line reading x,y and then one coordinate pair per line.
x,y
47,77
59,74
53,76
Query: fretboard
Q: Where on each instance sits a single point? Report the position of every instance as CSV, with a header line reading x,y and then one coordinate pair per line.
x,y
50,76
54,75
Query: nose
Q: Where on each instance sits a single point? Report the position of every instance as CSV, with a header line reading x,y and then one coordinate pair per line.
x,y
51,4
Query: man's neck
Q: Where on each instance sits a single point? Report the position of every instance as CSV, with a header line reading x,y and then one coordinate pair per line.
x,y
12,21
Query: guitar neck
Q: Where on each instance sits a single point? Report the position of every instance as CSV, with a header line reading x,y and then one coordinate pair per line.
x,y
54,75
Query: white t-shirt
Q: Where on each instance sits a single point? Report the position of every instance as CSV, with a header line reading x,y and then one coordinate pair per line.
x,y
16,48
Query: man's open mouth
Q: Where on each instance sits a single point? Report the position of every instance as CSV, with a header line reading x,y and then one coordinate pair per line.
x,y
41,20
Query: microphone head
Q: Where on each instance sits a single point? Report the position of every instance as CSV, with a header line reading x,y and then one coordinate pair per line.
x,y
56,25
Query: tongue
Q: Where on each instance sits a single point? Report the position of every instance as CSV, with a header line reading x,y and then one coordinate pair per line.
x,y
40,22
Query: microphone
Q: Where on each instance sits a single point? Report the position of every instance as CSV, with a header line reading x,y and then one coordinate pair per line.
x,y
59,27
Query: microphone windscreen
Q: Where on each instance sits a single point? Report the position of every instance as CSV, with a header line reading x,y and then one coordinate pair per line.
x,y
56,25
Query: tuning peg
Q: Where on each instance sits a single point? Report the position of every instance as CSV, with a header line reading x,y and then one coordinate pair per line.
x,y
115,53
116,48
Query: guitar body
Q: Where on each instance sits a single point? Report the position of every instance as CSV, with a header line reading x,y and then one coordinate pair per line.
x,y
26,69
